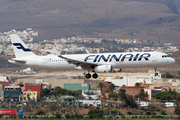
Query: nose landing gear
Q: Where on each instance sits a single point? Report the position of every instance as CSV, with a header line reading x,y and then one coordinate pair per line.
x,y
156,73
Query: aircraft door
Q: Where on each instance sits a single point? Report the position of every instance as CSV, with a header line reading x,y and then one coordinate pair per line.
x,y
154,57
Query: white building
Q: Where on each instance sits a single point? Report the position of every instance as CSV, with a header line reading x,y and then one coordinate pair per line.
x,y
88,102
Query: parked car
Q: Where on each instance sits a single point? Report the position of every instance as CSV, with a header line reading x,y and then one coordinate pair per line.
x,y
90,105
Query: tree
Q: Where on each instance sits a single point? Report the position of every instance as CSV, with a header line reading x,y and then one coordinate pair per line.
x,y
137,84
142,94
28,96
101,86
69,92
169,95
163,113
177,111
122,94
111,87
45,91
179,73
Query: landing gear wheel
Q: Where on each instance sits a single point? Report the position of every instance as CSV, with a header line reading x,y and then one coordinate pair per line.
x,y
88,76
95,75
156,74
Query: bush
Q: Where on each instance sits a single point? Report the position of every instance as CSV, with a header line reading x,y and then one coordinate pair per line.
x,y
148,113
29,117
20,117
132,117
129,113
177,111
140,117
141,113
163,113
81,116
67,116
72,116
58,115
14,117
123,117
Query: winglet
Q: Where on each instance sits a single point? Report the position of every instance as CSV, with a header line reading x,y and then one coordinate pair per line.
x,y
87,51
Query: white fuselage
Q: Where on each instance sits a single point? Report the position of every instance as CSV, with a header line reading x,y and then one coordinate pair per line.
x,y
116,60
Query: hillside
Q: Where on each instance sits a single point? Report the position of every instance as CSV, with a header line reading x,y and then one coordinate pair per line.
x,y
62,18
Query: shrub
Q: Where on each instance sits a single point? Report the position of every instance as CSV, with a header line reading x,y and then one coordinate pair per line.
x,y
123,117
58,115
67,116
72,116
14,117
148,113
20,117
141,113
129,113
177,111
140,117
81,116
29,117
163,113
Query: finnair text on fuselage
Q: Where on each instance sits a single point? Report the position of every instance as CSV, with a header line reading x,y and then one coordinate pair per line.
x,y
118,57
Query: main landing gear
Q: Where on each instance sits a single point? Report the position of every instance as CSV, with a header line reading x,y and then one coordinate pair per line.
x,y
155,74
89,75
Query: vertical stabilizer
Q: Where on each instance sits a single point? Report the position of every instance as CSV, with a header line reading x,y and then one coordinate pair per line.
x,y
20,48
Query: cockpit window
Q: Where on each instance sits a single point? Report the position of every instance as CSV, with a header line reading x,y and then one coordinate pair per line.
x,y
163,56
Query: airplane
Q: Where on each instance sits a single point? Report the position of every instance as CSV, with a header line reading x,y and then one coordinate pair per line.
x,y
96,63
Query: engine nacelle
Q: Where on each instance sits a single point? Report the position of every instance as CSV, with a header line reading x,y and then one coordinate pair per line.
x,y
103,68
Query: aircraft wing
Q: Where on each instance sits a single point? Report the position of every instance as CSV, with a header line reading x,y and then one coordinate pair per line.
x,y
83,64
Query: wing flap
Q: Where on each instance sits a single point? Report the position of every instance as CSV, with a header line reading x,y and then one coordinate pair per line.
x,y
83,64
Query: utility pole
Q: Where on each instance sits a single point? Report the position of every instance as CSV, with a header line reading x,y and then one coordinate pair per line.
x,y
173,106
118,104
127,84
110,105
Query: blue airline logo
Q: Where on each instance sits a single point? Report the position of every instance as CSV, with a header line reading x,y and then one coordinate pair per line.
x,y
120,57
21,47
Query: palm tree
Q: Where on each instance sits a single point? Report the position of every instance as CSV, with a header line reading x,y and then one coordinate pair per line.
x,y
142,94
122,94
101,86
111,87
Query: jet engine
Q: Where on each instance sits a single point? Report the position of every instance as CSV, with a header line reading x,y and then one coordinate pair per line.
x,y
103,68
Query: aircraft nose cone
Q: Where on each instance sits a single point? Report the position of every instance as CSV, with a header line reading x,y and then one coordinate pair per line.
x,y
173,60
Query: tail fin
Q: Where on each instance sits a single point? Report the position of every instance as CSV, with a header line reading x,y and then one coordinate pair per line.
x,y
20,48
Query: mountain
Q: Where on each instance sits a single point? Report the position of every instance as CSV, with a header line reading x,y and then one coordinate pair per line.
x,y
60,18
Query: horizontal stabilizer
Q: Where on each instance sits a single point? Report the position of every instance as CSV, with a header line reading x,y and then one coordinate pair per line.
x,y
17,60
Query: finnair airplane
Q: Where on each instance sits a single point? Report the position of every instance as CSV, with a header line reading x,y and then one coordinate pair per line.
x,y
97,63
